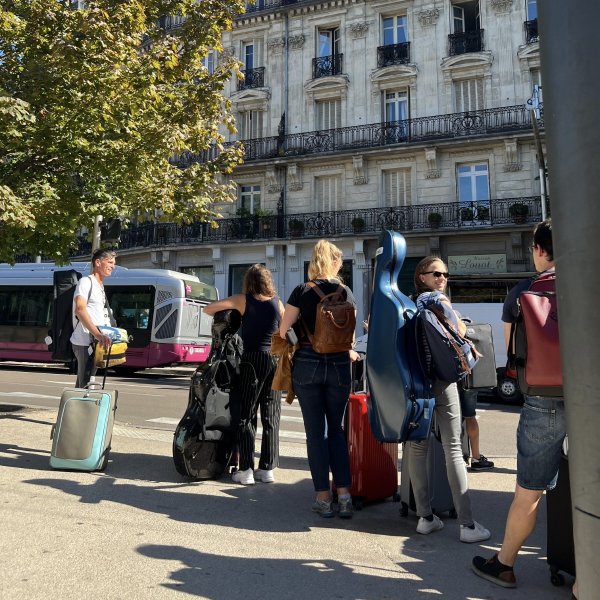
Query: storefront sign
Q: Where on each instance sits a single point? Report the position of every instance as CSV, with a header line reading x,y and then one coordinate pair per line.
x,y
477,263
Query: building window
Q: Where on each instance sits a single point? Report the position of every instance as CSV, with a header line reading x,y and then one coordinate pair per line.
x,y
396,106
465,17
328,191
329,42
209,61
397,187
328,114
250,124
252,54
467,34
249,198
531,10
468,95
473,182
204,274
394,30
236,278
395,48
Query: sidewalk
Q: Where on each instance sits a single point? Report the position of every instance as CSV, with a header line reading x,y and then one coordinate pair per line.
x,y
140,531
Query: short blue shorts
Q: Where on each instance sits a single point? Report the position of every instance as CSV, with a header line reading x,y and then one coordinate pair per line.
x,y
468,403
540,435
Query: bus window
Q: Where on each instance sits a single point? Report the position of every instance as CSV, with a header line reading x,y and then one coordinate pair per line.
x,y
197,290
131,307
25,307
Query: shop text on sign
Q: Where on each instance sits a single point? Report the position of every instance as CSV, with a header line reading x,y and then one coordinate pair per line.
x,y
477,263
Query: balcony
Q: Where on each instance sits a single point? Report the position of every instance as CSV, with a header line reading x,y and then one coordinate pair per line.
x,y
531,31
253,78
448,217
171,22
326,66
463,43
393,54
491,121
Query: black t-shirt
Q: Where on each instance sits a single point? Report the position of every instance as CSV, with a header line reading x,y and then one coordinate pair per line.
x,y
306,299
510,310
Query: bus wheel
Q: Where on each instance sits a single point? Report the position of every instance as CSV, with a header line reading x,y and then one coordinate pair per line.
x,y
508,389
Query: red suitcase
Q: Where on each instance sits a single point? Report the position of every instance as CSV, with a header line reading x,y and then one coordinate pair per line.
x,y
373,464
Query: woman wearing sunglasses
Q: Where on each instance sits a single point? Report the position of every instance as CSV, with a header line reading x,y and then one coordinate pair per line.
x,y
431,278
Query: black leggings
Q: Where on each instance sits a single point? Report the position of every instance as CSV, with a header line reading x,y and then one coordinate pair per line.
x,y
256,376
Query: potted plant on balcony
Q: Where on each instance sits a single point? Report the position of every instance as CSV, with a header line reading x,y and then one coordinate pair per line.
x,y
434,219
264,216
296,227
483,212
358,224
518,211
466,213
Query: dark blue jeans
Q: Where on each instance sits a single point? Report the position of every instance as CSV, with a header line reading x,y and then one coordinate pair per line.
x,y
322,384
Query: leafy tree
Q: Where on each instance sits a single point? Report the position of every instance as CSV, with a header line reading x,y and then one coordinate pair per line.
x,y
94,102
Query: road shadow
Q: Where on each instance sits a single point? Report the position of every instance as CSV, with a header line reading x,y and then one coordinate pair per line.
x,y
218,577
262,507
24,458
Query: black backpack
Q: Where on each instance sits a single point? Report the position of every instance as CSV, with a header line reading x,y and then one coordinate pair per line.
x,y
61,328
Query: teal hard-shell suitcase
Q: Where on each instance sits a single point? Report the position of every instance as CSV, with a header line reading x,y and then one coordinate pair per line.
x,y
82,434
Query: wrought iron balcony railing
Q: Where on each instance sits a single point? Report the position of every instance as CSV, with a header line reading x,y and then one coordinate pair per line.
x,y
531,31
253,78
490,121
446,217
393,54
170,22
468,41
325,66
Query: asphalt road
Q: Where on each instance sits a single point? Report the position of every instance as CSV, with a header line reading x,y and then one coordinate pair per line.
x,y
157,399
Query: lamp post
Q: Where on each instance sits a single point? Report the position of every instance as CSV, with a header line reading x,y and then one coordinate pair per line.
x,y
96,234
534,104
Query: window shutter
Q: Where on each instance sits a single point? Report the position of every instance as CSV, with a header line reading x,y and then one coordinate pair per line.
x,y
397,187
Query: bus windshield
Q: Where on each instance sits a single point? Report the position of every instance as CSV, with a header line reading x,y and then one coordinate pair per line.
x,y
197,290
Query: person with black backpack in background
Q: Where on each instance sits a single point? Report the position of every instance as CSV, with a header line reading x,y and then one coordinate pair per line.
x,y
540,436
431,279
322,380
261,311
90,309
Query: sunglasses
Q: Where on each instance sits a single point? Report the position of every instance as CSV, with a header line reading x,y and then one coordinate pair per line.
x,y
437,274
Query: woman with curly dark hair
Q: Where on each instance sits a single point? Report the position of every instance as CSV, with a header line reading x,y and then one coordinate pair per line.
x,y
261,312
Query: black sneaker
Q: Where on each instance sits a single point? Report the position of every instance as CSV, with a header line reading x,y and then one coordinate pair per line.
x,y
493,570
483,464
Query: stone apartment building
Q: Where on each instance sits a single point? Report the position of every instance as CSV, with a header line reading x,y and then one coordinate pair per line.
x,y
360,115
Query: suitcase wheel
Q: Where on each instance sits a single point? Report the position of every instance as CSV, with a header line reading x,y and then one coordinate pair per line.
x,y
556,578
396,497
358,503
404,509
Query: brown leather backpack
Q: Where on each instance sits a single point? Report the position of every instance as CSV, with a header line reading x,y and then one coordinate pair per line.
x,y
335,321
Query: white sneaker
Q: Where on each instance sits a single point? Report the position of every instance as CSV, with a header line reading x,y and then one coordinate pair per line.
x,y
424,526
244,477
266,476
478,534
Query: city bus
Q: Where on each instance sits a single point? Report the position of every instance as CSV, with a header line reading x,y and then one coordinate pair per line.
x,y
160,309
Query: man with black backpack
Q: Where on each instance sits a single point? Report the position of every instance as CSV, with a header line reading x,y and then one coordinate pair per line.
x,y
540,435
90,309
